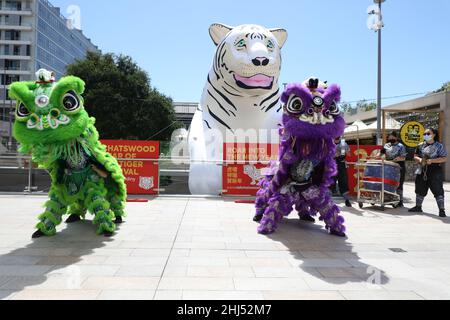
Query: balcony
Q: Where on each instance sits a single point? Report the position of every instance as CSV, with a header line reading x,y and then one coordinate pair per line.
x,y
14,57
16,26
8,10
16,42
21,70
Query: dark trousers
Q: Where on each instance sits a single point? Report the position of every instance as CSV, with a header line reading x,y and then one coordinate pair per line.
x,y
434,182
342,178
402,175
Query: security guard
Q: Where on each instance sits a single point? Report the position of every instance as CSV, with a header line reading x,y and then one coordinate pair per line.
x,y
430,155
396,152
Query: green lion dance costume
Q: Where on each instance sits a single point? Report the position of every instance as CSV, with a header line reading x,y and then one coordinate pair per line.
x,y
52,124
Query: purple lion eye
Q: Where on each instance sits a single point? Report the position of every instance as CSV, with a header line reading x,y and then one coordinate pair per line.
x,y
334,109
294,105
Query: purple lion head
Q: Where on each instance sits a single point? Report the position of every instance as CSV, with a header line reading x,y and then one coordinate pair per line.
x,y
312,113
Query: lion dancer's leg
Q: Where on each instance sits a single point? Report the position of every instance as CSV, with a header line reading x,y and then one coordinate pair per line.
x,y
52,217
77,211
97,204
320,200
262,200
117,205
279,206
304,211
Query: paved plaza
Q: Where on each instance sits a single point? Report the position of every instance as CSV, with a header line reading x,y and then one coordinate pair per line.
x,y
180,248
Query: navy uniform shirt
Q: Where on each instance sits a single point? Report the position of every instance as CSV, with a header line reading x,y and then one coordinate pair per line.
x,y
394,151
432,151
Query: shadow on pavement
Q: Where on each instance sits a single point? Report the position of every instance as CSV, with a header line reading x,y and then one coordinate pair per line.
x,y
331,256
50,259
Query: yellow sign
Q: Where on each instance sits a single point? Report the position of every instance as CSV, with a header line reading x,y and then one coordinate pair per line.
x,y
412,134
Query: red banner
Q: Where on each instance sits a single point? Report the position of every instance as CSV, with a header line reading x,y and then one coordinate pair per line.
x,y
141,176
366,153
242,172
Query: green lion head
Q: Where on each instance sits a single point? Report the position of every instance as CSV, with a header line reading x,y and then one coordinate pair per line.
x,y
49,112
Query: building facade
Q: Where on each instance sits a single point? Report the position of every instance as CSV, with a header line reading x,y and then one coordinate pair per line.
x,y
184,112
34,35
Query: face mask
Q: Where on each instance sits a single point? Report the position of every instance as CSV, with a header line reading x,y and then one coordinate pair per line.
x,y
428,138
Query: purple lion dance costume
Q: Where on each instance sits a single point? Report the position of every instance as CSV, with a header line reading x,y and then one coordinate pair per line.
x,y
311,122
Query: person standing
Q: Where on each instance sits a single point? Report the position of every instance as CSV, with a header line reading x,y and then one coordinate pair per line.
x,y
431,155
396,152
341,180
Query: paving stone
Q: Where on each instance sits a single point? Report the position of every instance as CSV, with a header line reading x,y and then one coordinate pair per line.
x,y
209,249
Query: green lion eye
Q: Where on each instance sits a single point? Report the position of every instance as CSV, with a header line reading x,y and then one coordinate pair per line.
x,y
22,111
70,102
241,44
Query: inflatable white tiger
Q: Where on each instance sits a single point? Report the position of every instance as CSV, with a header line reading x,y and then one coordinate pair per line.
x,y
240,102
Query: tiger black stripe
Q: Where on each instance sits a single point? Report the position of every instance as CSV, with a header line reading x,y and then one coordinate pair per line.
x,y
273,105
231,86
220,105
218,119
234,95
222,95
267,99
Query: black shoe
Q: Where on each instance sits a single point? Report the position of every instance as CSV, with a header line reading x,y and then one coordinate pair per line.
x,y
400,205
73,218
38,234
118,220
348,204
338,234
416,209
307,218
442,214
108,234
258,218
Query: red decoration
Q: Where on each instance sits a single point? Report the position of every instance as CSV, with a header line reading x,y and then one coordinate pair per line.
x,y
242,171
141,175
366,153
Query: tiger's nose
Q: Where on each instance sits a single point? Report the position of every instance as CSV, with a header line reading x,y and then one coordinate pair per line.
x,y
260,61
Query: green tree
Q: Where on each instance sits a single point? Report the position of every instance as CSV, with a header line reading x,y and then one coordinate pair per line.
x,y
365,106
445,87
346,107
119,95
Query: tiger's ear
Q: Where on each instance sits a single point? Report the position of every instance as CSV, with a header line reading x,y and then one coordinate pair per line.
x,y
281,35
218,32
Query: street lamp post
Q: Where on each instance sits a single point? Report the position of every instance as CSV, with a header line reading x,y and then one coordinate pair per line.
x,y
376,24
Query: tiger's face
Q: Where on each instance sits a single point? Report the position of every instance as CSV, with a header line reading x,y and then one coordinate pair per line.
x,y
248,57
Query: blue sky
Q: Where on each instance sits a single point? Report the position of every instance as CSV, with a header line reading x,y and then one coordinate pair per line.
x,y
327,38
